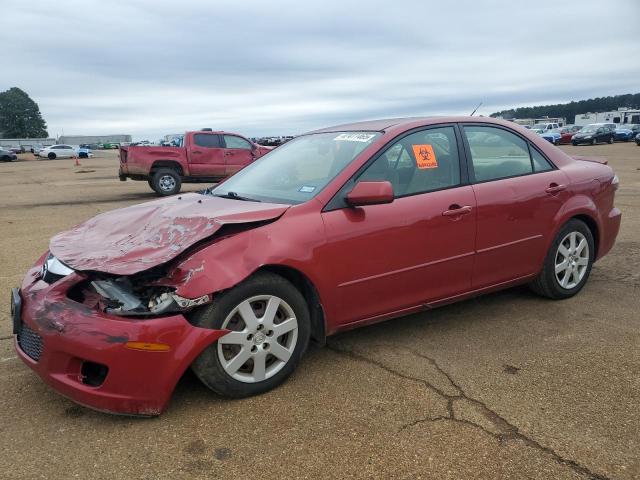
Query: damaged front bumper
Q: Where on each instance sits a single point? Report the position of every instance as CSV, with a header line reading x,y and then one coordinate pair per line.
x,y
103,361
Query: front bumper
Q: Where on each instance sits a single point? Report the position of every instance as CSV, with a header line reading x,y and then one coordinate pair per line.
x,y
72,335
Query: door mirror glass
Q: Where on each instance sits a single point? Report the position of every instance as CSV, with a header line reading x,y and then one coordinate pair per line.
x,y
370,193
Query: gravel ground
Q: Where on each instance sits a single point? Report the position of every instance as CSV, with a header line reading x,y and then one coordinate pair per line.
x,y
507,385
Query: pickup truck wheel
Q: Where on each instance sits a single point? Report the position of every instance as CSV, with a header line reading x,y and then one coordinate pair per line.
x,y
51,156
166,181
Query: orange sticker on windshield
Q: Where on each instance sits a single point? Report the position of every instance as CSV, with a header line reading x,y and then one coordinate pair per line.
x,y
425,156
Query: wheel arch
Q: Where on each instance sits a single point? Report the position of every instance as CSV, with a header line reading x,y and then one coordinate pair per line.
x,y
592,224
310,294
158,164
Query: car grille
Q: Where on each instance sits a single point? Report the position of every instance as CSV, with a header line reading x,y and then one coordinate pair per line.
x,y
30,342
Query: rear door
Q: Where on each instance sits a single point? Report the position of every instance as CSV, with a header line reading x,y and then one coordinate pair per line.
x,y
518,193
206,155
415,250
238,153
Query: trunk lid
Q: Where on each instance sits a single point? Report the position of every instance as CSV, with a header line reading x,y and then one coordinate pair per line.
x,y
139,237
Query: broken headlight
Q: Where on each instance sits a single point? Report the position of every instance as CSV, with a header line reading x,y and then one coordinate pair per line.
x,y
121,297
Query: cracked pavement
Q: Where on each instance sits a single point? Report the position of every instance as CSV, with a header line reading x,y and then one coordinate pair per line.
x,y
508,385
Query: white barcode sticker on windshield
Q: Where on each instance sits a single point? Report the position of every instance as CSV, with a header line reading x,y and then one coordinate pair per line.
x,y
355,137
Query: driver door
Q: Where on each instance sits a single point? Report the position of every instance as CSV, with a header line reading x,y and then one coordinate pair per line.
x,y
418,249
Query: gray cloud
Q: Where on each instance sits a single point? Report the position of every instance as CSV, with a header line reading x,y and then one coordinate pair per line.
x,y
150,68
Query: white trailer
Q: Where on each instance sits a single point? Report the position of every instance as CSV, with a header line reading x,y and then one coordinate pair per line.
x,y
621,116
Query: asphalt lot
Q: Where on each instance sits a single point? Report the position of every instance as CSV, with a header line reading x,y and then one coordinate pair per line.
x,y
507,385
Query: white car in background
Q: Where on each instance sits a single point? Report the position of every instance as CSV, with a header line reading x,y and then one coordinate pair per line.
x,y
58,151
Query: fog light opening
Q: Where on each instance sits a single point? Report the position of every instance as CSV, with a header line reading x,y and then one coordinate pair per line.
x,y
93,374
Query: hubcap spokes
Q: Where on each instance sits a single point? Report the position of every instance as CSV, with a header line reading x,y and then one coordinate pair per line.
x,y
572,260
167,183
264,331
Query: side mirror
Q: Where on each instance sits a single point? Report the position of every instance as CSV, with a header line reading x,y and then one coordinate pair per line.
x,y
370,193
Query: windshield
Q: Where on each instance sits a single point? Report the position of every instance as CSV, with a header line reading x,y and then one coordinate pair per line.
x,y
588,129
298,170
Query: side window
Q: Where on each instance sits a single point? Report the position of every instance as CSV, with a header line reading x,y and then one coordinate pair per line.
x,y
418,163
231,141
540,164
206,140
497,153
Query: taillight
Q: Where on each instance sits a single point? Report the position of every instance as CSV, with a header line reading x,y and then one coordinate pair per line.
x,y
615,182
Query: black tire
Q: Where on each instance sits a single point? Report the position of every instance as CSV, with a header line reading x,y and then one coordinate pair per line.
x,y
208,367
575,144
593,141
161,184
6,158
51,156
610,140
546,283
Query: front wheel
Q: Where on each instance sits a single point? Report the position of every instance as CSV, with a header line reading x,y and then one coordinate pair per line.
x,y
610,140
269,325
51,156
593,142
166,181
568,262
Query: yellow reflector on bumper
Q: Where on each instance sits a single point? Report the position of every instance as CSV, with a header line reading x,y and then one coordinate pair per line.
x,y
148,347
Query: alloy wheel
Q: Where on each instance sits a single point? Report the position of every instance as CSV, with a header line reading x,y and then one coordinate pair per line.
x,y
264,332
167,183
572,260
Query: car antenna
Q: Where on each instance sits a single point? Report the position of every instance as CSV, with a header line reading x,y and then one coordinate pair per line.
x,y
474,110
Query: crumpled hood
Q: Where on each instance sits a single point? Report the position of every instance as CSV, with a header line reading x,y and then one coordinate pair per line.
x,y
136,238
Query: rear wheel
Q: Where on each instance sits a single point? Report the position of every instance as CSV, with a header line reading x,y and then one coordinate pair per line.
x,y
51,156
166,181
610,140
568,263
593,141
269,325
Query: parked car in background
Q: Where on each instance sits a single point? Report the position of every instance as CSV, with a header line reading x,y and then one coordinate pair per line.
x,y
7,155
622,134
638,139
625,133
567,133
18,149
84,151
57,151
546,126
550,136
338,228
592,134
110,145
204,156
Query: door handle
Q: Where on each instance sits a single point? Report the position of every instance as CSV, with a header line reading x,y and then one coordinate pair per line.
x,y
455,210
226,154
196,151
555,188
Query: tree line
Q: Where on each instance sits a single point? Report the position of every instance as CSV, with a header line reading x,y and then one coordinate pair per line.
x,y
20,116
571,109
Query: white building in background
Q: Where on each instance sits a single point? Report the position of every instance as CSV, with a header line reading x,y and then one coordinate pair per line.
x,y
621,116
530,122
80,139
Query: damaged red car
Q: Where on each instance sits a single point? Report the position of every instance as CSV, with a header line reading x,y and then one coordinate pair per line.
x,y
336,229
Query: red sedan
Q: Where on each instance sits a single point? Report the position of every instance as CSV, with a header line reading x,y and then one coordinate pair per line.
x,y
336,229
567,133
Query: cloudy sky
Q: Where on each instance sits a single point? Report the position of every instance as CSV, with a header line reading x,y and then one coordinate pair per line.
x,y
282,67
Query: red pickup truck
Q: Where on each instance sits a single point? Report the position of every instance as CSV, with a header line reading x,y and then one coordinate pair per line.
x,y
202,156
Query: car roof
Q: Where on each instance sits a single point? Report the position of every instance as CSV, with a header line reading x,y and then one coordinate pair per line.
x,y
400,124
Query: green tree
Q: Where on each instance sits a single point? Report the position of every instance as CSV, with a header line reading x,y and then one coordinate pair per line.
x,y
571,109
20,116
